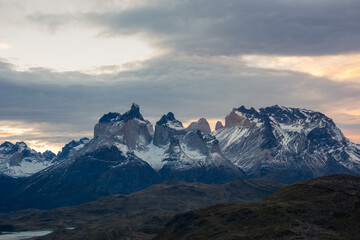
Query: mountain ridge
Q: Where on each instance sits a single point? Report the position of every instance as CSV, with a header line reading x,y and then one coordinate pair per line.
x,y
276,143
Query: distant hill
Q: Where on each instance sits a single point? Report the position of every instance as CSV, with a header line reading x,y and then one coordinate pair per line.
x,y
322,208
139,215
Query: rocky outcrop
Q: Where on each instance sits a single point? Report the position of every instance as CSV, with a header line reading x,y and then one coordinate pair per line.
x,y
218,125
72,146
202,124
234,119
167,128
129,129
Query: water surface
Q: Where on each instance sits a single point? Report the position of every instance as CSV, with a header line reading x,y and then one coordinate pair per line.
x,y
24,235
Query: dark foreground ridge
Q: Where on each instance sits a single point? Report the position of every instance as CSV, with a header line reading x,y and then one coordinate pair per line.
x,y
140,215
322,208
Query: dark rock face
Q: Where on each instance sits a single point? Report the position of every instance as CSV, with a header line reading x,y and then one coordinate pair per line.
x,y
130,129
65,151
134,112
110,117
234,119
167,128
8,148
202,124
49,155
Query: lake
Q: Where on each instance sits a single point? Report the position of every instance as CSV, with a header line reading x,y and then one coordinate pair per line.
x,y
24,235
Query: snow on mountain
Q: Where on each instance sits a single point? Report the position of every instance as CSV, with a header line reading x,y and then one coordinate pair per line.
x,y
191,155
18,160
71,148
126,155
286,144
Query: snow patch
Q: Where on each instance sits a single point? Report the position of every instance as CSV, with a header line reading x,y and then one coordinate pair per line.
x,y
26,168
291,128
231,135
153,155
174,125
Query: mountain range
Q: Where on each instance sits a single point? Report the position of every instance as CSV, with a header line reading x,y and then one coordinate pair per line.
x,y
126,154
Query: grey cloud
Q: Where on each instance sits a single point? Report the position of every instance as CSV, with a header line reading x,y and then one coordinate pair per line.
x,y
189,87
53,22
212,27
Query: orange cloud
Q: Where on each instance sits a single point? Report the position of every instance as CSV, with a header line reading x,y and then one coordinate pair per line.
x,y
335,67
4,46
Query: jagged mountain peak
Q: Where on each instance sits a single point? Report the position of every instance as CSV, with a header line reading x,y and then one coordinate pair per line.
x,y
130,128
110,117
294,118
218,125
243,109
7,147
169,118
242,117
297,116
72,146
134,112
166,128
202,124
21,144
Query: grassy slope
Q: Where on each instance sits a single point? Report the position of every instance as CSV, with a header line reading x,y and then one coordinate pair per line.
x,y
323,208
138,215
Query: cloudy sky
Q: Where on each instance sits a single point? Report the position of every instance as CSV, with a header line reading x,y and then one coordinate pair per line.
x,y
63,64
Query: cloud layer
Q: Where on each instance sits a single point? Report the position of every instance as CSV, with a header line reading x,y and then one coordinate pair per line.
x,y
189,87
212,27
199,72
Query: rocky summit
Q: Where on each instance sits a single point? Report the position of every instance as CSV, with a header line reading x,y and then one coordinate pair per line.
x,y
202,124
286,144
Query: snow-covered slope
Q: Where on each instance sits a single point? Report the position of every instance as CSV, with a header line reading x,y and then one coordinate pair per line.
x,y
286,144
191,154
71,148
18,160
